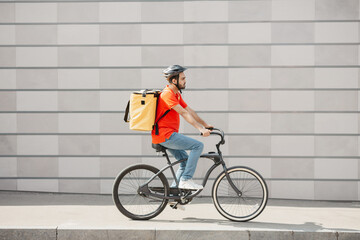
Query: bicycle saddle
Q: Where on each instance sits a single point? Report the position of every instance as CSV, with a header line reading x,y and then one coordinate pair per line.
x,y
158,147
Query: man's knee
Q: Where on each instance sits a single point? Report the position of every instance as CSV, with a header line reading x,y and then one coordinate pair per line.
x,y
199,145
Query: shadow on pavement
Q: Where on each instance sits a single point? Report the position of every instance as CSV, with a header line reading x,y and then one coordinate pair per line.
x,y
253,225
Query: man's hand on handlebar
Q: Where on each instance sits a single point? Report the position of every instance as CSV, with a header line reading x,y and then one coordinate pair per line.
x,y
209,126
205,132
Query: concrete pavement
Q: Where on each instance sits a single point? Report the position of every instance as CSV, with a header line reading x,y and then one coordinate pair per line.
x,y
25,216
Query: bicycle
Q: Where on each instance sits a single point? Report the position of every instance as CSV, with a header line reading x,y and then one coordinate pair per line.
x,y
141,191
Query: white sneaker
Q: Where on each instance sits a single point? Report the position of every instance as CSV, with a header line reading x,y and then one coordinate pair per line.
x,y
189,184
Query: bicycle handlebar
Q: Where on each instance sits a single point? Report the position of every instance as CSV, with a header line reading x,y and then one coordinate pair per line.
x,y
218,132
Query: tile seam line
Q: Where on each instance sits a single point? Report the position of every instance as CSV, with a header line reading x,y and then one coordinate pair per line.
x,y
195,178
156,156
191,90
186,134
91,1
179,22
193,67
209,112
136,1
180,45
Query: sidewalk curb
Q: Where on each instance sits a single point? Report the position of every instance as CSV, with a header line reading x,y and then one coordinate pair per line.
x,y
154,234
28,233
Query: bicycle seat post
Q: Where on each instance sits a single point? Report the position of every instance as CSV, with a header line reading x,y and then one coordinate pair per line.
x,y
171,167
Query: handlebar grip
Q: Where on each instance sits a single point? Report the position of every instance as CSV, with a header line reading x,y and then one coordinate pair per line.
x,y
210,128
220,133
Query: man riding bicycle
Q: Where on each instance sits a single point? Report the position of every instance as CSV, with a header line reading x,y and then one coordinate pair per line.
x,y
167,130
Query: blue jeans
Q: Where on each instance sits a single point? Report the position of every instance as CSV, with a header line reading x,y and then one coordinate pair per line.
x,y
177,144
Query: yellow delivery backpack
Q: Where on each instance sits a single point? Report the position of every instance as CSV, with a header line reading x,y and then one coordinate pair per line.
x,y
141,110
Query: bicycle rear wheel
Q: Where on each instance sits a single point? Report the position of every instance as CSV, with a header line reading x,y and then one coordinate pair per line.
x,y
128,199
251,202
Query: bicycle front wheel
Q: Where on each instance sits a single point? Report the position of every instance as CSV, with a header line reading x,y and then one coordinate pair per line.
x,y
246,206
130,201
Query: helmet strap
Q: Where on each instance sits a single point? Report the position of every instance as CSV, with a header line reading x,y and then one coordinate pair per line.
x,y
177,84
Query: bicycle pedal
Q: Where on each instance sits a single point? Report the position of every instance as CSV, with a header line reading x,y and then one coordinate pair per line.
x,y
173,205
176,206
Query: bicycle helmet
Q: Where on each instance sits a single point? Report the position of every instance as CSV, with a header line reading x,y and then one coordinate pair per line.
x,y
174,70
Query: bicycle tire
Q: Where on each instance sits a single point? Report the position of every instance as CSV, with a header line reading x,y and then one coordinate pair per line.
x,y
247,206
127,199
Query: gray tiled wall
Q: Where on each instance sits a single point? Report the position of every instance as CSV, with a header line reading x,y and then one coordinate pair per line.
x,y
281,77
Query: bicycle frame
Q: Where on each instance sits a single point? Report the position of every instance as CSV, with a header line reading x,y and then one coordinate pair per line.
x,y
143,189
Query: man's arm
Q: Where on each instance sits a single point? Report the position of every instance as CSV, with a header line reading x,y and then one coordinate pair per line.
x,y
190,119
197,118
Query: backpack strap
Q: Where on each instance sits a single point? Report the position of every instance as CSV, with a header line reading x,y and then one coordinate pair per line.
x,y
126,117
156,126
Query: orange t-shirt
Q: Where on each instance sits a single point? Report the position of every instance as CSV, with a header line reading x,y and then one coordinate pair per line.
x,y
171,122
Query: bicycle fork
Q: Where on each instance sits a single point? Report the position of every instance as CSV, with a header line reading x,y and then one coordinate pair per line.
x,y
237,191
